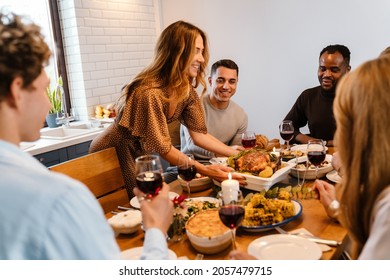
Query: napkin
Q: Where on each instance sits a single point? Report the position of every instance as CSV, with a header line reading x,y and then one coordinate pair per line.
x,y
323,247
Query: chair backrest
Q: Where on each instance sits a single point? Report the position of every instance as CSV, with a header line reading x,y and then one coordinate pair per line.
x,y
101,173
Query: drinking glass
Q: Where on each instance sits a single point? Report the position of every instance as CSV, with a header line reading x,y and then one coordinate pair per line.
x,y
149,174
231,210
316,152
248,139
286,129
187,170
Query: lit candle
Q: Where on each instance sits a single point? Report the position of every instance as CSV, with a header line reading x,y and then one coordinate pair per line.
x,y
230,184
274,152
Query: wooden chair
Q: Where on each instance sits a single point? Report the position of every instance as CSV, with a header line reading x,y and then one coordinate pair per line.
x,y
101,173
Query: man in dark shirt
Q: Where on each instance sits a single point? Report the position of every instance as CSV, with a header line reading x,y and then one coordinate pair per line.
x,y
314,107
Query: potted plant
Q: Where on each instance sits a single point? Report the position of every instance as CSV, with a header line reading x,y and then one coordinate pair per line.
x,y
55,96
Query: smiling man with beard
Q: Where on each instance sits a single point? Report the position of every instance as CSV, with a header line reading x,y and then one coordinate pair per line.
x,y
314,107
225,119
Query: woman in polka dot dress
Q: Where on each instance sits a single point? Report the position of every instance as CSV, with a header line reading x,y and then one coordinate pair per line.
x,y
162,93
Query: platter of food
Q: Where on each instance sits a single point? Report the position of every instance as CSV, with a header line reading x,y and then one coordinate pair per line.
x,y
262,169
300,168
264,214
194,205
295,152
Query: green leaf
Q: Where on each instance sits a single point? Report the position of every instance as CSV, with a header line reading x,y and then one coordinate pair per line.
x,y
55,96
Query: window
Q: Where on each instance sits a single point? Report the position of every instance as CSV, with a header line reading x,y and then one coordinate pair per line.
x,y
45,14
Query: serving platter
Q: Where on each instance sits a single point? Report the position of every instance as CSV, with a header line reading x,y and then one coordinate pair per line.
x,y
257,183
298,212
310,174
302,148
284,247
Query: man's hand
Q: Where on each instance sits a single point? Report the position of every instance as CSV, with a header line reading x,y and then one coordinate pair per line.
x,y
157,212
239,255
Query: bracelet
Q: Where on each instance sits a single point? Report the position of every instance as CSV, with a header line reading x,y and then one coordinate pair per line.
x,y
334,208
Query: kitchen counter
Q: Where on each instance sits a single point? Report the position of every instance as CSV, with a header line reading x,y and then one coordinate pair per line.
x,y
46,145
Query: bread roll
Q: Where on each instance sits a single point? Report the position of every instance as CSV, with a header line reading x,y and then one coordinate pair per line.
x,y
261,141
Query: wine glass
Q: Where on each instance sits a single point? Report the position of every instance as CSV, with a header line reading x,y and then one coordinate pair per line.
x,y
187,170
149,174
286,129
231,210
316,152
248,139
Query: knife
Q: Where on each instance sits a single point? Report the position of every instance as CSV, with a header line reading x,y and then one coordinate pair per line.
x,y
329,242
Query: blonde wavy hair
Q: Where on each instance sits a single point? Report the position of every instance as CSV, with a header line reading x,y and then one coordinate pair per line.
x,y
361,109
173,54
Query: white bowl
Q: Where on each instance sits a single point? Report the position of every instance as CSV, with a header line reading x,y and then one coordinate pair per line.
x,y
126,222
197,184
208,243
311,172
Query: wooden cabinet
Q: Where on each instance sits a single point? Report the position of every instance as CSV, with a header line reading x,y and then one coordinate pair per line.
x,y
63,154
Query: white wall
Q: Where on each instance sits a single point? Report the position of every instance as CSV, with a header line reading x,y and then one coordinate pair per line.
x,y
106,42
276,44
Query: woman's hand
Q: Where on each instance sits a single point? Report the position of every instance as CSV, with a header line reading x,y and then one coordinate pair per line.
x,y
336,162
327,195
220,173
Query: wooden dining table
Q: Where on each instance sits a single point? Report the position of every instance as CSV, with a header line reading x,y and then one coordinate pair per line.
x,y
313,218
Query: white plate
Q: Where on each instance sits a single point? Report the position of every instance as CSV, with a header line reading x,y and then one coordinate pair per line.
x,y
135,254
134,201
302,148
333,176
311,172
298,212
284,247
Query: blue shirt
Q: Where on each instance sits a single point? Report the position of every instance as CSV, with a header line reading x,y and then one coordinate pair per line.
x,y
46,215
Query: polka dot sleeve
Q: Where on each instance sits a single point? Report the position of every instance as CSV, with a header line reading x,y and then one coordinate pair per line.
x,y
145,117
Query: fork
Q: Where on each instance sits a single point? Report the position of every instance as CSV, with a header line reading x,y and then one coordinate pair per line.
x,y
329,242
125,208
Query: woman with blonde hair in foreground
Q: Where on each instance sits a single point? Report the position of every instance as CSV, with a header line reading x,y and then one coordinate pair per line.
x,y
361,202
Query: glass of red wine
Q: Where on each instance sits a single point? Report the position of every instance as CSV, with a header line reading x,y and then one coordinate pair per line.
x,y
316,152
248,139
187,170
149,174
286,129
231,210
